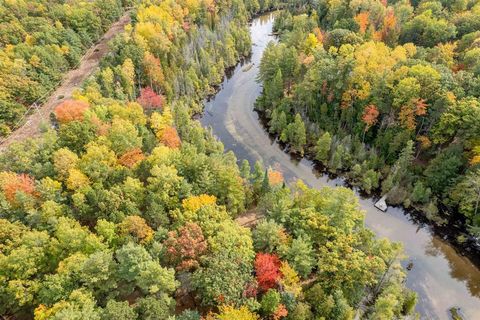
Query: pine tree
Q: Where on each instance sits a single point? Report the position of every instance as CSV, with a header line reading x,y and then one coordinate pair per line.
x,y
296,135
400,168
323,147
274,88
266,183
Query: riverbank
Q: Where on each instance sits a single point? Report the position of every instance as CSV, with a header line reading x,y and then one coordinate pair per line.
x,y
442,277
452,230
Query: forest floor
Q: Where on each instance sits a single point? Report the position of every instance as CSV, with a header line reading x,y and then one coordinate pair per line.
x,y
71,81
250,218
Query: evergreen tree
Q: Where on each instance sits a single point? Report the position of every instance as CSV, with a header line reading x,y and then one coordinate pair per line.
x,y
400,169
265,183
278,122
295,135
323,148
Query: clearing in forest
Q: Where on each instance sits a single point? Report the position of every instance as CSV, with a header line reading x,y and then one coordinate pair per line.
x,y
30,127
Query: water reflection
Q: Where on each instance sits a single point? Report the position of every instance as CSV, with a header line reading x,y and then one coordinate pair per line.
x,y
460,267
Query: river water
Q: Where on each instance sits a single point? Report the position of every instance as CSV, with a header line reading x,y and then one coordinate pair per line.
x,y
442,277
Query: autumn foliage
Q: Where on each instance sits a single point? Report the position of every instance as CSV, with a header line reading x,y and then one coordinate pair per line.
x,y
170,138
281,312
153,70
15,183
275,177
362,21
318,33
308,60
132,157
267,270
417,107
184,247
389,21
136,227
389,24
420,107
251,290
425,142
102,127
228,312
148,99
193,203
70,110
475,157
370,116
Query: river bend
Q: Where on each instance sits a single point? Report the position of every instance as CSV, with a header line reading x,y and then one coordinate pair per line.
x,y
442,277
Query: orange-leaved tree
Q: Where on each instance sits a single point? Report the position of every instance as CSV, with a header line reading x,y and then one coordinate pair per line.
x,y
280,313
370,116
362,20
70,110
275,177
131,157
415,107
153,71
170,138
18,183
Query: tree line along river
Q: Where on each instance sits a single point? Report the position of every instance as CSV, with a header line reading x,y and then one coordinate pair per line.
x,y
442,277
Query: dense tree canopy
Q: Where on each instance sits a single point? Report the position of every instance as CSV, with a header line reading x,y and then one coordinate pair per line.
x,y
127,209
385,92
39,42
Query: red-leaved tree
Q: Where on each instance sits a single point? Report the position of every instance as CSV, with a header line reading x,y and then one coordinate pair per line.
x,y
267,270
149,100
183,248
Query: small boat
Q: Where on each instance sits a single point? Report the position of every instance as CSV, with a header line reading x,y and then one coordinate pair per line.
x,y
382,204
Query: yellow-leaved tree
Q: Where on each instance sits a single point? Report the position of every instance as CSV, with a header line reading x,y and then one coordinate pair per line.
x,y
161,121
230,313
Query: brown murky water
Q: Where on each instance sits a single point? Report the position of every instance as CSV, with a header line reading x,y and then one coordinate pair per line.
x,y
442,277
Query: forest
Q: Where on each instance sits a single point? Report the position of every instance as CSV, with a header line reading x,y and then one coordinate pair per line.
x,y
39,41
385,94
126,208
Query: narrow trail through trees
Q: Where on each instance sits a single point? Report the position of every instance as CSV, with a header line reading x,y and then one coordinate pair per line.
x,y
250,218
30,127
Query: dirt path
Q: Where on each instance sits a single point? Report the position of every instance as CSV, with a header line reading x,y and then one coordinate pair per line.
x,y
72,80
249,219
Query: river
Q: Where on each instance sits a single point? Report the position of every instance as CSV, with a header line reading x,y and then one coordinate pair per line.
x,y
442,277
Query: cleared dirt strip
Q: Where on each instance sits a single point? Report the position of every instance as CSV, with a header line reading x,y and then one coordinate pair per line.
x,y
72,80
